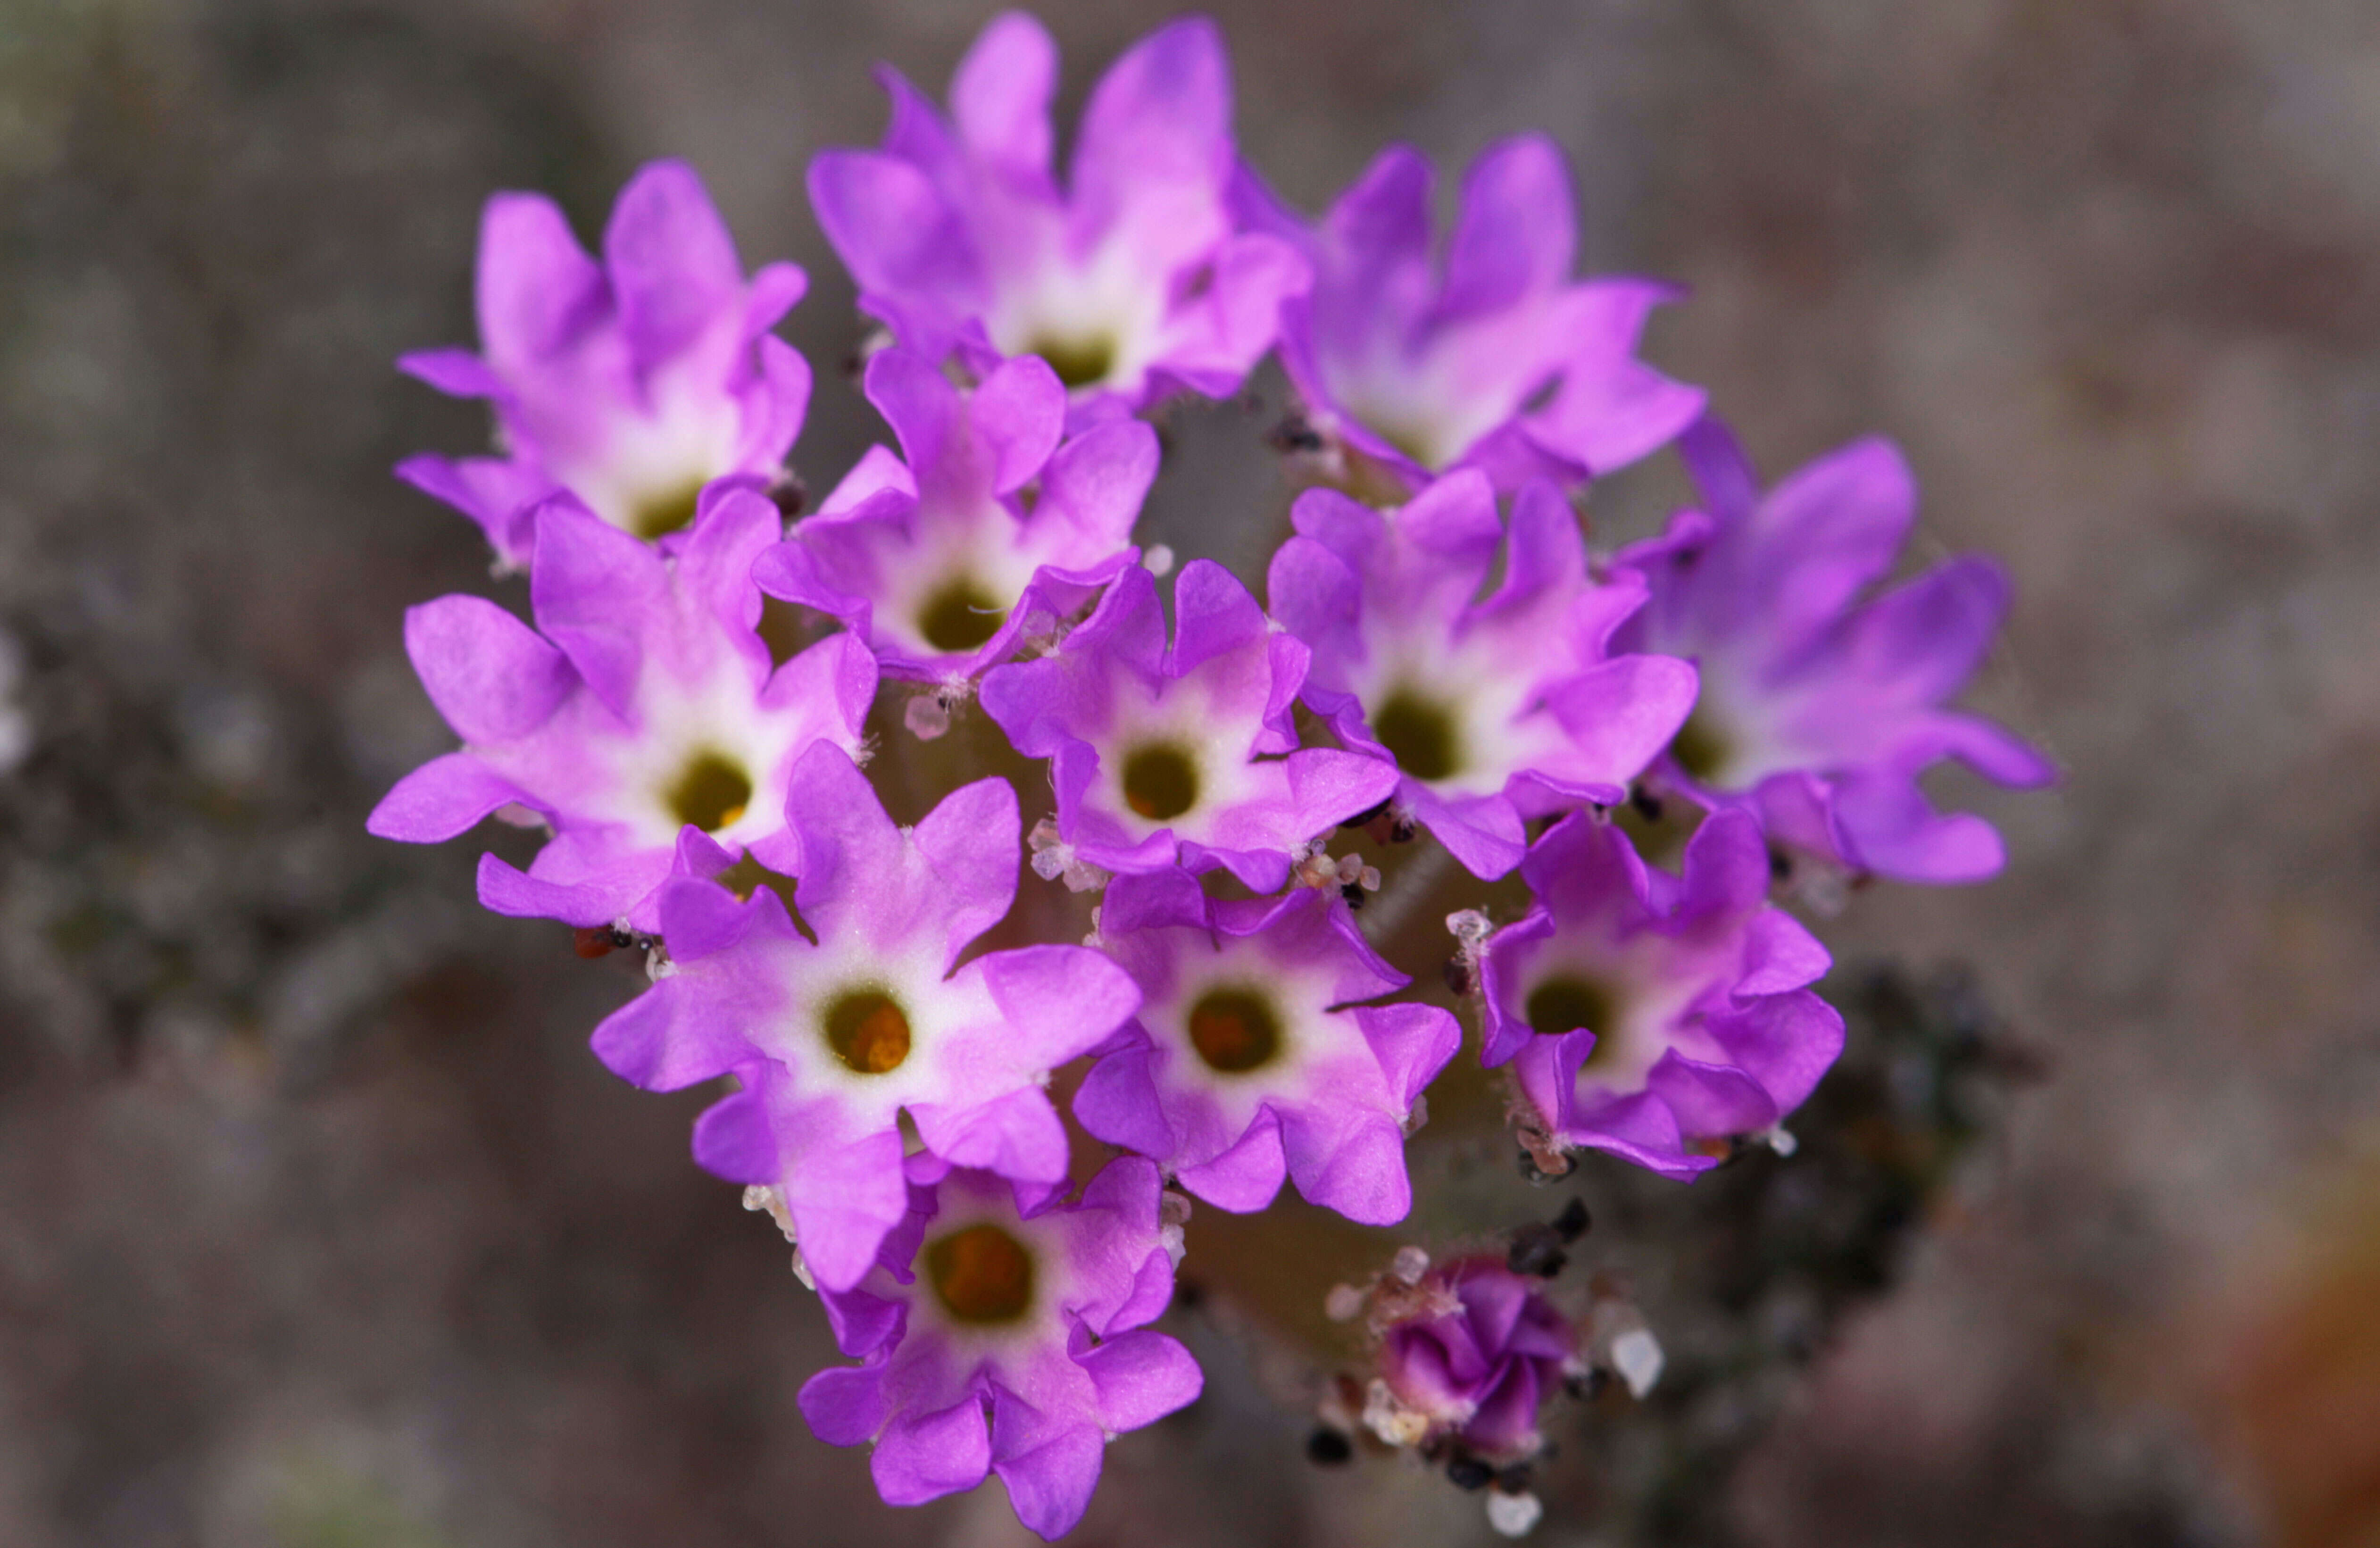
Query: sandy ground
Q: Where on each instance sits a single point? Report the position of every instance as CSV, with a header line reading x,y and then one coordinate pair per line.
x,y
317,1224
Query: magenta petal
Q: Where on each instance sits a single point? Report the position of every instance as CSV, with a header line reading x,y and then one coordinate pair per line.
x,y
535,283
1150,901
732,1139
1358,1170
1709,1100
652,1042
1639,1128
455,373
1050,1486
844,1404
1780,954
845,839
1141,1377
714,564
489,674
672,265
585,903
590,586
970,844
1212,614
1845,516
845,1196
1484,833
1244,1178
1097,481
1624,711
1059,1002
1886,824
1117,1101
1725,867
863,1323
700,918
1517,231
1000,94
1786,1041
443,797
924,1458
890,227
1329,786
1016,1135
1413,1043
1162,115
1020,412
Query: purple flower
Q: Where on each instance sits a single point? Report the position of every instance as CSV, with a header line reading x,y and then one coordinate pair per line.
x,y
1493,709
1238,1069
631,383
1159,754
1473,1354
1493,359
649,707
1130,280
834,1041
1644,1011
992,530
1819,710
1033,1319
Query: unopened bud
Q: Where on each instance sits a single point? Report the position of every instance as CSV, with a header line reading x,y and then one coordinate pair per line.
x,y
926,716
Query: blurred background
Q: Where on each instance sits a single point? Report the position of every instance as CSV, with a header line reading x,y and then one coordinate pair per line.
x,y
319,1227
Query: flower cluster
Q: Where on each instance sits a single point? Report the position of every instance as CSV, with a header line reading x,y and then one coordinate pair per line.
x,y
1438,663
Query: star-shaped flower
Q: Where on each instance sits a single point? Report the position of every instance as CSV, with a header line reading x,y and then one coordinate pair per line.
x,y
1129,278
1819,710
1492,709
643,705
835,1035
1644,1011
629,383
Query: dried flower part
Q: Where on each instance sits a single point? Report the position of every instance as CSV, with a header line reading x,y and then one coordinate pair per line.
x,y
627,385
